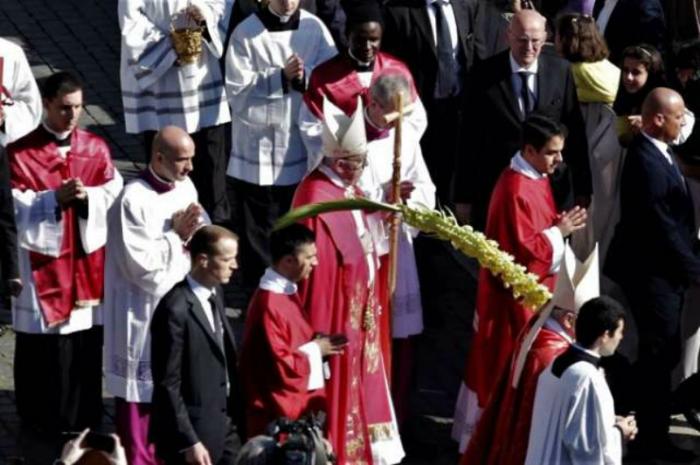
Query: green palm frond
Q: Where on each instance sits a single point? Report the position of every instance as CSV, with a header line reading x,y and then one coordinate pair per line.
x,y
315,209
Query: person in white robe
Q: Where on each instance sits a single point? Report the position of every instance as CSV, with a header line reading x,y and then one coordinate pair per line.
x,y
63,183
20,103
573,418
268,63
161,86
149,226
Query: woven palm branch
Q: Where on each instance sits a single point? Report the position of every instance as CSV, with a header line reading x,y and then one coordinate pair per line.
x,y
525,286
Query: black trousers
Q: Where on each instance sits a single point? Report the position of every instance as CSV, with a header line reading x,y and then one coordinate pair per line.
x,y
254,212
440,144
58,380
209,169
656,308
232,445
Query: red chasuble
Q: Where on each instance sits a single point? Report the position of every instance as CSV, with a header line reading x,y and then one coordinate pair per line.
x,y
74,278
337,80
274,371
520,210
502,433
338,299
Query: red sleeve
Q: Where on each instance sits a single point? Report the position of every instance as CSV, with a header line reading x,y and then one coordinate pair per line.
x,y
313,97
532,248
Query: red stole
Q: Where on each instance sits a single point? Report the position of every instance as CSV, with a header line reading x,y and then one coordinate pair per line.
x,y
337,80
503,431
337,299
74,278
520,210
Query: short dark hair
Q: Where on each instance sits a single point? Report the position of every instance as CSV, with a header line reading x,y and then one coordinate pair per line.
x,y
288,240
61,83
596,317
205,238
538,129
580,39
648,56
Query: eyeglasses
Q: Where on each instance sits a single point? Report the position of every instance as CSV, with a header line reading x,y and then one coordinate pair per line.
x,y
527,41
353,164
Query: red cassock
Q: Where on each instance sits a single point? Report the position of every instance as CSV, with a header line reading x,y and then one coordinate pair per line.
x,y
520,210
74,278
338,298
502,433
274,371
337,80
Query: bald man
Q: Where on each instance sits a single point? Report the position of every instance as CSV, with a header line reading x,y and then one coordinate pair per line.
x,y
150,224
653,258
503,90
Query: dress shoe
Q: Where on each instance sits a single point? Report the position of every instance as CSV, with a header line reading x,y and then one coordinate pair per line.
x,y
692,415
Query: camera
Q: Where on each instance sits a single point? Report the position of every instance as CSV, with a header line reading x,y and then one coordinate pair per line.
x,y
300,442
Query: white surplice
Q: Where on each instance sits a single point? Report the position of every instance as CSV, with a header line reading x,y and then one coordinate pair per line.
x,y
23,112
145,258
407,312
573,419
40,230
156,90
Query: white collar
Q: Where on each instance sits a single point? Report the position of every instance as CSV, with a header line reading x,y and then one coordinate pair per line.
x,y
553,325
522,166
583,349
516,68
429,3
334,178
283,18
201,291
661,145
360,62
160,178
58,135
274,282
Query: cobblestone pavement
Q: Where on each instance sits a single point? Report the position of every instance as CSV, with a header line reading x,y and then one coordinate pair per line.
x,y
83,35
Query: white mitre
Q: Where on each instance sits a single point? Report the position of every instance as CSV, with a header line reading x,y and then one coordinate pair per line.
x,y
577,283
343,136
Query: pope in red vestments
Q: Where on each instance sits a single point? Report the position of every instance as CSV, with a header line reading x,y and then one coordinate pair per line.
x,y
523,219
74,278
340,298
281,357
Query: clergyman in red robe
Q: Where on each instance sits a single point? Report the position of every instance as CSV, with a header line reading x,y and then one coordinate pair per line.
x,y
524,221
281,360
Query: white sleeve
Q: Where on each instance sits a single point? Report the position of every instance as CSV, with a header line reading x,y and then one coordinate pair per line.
x,y
313,353
214,12
311,128
93,229
148,49
417,172
25,113
244,77
555,238
154,260
418,119
39,222
687,128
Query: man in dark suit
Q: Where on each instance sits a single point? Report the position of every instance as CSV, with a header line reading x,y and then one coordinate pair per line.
x,y
503,90
630,22
9,273
436,41
193,359
653,258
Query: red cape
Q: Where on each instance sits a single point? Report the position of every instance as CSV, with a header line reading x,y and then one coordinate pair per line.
x,y
337,299
35,164
337,80
502,433
520,210
274,371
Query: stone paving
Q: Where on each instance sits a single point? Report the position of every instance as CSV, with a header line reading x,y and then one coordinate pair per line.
x,y
83,35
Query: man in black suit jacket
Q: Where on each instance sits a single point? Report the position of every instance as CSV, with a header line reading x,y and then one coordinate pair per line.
x,y
193,359
632,22
9,273
653,258
413,31
495,108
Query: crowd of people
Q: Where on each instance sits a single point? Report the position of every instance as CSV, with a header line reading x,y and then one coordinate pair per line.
x,y
564,130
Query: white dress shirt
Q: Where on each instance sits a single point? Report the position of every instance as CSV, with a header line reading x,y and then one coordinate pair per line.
x,y
517,83
203,294
451,22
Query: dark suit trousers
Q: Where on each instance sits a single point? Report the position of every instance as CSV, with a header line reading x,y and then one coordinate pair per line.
x,y
58,380
254,211
440,144
232,446
209,169
656,309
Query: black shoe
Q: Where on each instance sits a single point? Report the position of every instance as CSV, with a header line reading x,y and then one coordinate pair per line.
x,y
693,417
